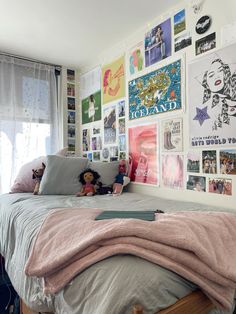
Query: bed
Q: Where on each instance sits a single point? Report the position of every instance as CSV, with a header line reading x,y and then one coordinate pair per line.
x,y
113,285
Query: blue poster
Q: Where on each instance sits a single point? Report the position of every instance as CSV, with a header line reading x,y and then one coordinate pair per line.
x,y
156,92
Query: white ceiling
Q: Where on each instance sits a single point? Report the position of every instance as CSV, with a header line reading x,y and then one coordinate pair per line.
x,y
72,32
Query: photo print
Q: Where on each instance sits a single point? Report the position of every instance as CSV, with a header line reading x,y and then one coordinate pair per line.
x,y
196,183
220,186
86,140
122,126
71,131
121,108
71,145
205,44
173,171
172,135
122,142
136,58
209,161
143,160
179,22
228,161
114,151
70,103
71,76
71,117
96,156
96,130
193,162
212,99
122,155
158,43
70,90
96,143
91,108
183,41
156,92
109,114
90,156
105,153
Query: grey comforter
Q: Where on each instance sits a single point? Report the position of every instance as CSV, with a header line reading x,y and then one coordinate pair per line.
x,y
111,286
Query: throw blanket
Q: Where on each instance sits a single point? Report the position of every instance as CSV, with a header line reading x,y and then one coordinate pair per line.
x,y
200,246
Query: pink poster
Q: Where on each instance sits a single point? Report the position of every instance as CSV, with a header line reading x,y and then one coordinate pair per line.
x,y
172,171
143,154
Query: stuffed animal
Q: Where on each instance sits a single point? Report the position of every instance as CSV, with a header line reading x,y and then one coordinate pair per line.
x,y
88,178
37,176
121,178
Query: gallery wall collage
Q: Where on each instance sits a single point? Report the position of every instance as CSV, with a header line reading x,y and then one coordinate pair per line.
x,y
133,113
71,110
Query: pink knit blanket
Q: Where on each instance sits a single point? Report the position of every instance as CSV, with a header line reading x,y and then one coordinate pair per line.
x,y
200,246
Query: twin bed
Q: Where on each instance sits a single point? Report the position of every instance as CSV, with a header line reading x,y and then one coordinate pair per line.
x,y
111,285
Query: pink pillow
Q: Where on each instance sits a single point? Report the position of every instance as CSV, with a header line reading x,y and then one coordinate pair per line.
x,y
24,181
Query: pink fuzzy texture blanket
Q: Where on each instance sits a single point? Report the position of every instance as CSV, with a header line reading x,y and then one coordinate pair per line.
x,y
200,246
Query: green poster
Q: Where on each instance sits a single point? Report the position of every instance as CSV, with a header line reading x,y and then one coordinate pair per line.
x,y
91,108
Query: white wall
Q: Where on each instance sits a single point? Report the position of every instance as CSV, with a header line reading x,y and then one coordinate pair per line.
x,y
222,13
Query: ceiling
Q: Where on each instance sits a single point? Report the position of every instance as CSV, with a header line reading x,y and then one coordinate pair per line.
x,y
72,32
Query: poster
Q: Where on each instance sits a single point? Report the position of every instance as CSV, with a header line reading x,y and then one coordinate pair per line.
x,y
136,59
179,22
143,154
172,135
209,161
156,92
91,108
228,161
212,99
90,82
113,80
173,171
158,43
196,183
109,116
220,186
193,162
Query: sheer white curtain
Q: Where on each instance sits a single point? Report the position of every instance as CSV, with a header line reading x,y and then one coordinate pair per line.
x,y
29,115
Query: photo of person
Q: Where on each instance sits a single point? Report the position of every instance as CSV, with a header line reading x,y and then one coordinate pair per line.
x,y
196,183
70,90
193,162
86,140
71,76
110,124
121,108
70,103
143,161
173,171
122,126
96,130
206,43
228,161
91,108
209,161
158,43
96,143
105,153
122,143
71,117
212,98
220,186
71,131
114,151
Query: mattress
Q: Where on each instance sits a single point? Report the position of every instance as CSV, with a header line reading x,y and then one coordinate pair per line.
x,y
109,286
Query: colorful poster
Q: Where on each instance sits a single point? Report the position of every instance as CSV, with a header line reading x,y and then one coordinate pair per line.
x,y
228,161
193,162
173,171
179,22
109,116
220,186
136,59
209,161
156,92
113,80
212,99
206,43
183,41
91,108
158,43
172,135
143,154
196,183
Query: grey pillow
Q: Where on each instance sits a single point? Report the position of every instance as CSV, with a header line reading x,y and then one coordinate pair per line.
x,y
107,170
61,175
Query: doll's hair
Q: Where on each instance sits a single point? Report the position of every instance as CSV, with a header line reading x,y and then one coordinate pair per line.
x,y
96,176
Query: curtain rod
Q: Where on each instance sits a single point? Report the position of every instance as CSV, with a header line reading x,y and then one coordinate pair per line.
x,y
29,59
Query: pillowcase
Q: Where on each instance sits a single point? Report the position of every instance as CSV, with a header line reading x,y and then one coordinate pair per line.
x,y
24,181
107,171
61,175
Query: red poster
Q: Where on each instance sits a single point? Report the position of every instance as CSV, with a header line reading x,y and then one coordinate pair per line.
x,y
143,154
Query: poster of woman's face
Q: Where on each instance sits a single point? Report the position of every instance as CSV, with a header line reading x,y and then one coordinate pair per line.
x,y
212,99
143,154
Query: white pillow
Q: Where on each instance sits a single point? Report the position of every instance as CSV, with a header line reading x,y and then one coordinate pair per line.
x,y
61,175
107,171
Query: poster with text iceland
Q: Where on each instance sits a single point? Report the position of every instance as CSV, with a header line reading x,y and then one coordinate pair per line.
x,y
156,92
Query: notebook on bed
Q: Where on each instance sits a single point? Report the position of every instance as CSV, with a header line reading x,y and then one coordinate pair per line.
x,y
111,214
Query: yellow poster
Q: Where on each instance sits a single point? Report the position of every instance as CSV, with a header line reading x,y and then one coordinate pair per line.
x,y
113,80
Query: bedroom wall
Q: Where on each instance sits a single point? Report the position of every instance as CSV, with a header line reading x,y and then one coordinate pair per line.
x,y
222,13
